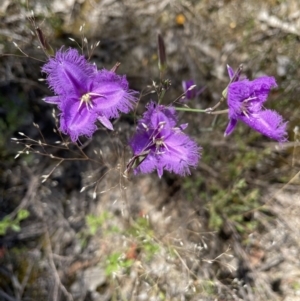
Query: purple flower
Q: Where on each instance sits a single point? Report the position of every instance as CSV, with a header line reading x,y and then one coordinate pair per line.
x,y
245,101
190,90
85,94
165,146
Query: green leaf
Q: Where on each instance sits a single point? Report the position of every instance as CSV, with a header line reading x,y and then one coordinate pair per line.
x,y
22,214
16,227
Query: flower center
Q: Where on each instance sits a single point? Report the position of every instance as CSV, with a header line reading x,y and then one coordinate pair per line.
x,y
86,98
160,146
246,106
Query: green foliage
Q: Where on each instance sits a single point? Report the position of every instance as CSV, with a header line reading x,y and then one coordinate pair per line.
x,y
115,262
150,247
208,287
142,231
13,224
295,286
95,222
227,194
232,205
189,186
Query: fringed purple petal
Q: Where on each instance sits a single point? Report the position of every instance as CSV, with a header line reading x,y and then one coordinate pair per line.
x,y
77,122
168,148
140,142
110,94
269,123
85,94
262,86
245,102
68,72
156,114
236,94
180,154
247,97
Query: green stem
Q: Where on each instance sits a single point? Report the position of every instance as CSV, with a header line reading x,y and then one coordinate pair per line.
x,y
207,111
219,112
190,110
163,92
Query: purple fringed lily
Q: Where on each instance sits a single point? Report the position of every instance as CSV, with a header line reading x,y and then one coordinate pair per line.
x,y
85,94
190,91
161,145
245,101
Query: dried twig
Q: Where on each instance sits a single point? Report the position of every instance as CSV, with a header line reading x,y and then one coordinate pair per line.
x,y
58,282
30,194
7,297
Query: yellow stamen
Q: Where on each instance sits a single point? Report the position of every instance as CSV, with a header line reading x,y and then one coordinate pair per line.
x,y
86,98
